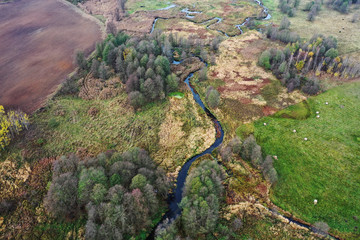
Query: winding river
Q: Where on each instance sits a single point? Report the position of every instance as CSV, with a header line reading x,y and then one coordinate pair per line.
x,y
175,198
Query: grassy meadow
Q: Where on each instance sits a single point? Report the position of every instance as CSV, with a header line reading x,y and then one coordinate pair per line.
x,y
171,130
146,5
326,167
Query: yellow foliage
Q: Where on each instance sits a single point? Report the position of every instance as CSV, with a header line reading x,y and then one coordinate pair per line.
x,y
317,73
336,74
311,54
337,59
11,123
300,65
318,41
330,70
126,52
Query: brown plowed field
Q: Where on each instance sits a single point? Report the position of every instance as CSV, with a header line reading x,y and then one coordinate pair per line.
x,y
38,40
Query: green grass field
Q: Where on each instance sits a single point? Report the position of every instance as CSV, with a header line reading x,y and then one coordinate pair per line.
x,y
326,167
328,22
67,125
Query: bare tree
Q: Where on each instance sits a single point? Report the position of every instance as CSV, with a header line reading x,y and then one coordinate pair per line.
x,y
111,28
117,14
121,5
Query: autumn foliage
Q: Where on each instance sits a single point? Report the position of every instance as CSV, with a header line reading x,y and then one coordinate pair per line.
x,y
11,124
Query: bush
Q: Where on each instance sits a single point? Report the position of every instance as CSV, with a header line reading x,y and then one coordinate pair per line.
x,y
245,130
136,99
247,147
256,156
332,53
81,61
53,123
285,23
203,74
311,87
321,228
139,181
264,60
271,175
212,97
61,199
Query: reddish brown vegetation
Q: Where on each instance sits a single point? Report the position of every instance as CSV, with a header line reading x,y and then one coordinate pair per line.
x,y
38,41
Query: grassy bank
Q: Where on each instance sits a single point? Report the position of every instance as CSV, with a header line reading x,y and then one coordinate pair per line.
x,y
325,167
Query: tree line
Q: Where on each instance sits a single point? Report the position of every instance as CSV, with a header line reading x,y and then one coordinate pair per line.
x,y
293,63
313,8
289,7
250,151
11,124
118,194
341,5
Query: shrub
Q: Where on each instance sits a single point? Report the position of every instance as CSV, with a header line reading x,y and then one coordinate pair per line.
x,y
332,53
136,99
53,123
81,61
264,60
247,147
271,175
139,181
256,156
311,87
203,74
212,97
321,228
69,86
61,199
285,23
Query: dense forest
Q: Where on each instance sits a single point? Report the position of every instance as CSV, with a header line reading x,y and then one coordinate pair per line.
x,y
119,194
142,64
298,59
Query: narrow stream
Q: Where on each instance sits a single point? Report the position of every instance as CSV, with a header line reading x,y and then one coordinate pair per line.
x,y
191,14
175,198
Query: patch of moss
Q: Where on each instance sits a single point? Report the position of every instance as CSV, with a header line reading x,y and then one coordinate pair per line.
x,y
178,95
299,111
245,130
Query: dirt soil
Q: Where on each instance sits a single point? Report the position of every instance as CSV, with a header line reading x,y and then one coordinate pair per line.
x,y
38,43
